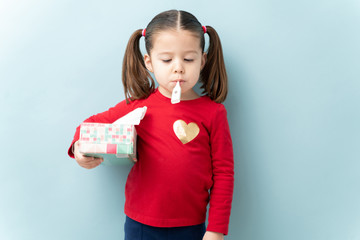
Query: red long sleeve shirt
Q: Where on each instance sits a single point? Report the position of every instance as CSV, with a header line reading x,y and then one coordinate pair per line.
x,y
181,166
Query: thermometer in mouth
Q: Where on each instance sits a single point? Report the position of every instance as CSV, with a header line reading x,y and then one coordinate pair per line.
x,y
176,93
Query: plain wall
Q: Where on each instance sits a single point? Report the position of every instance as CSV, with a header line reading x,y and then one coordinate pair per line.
x,y
293,109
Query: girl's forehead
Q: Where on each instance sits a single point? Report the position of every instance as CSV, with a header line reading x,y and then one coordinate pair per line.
x,y
171,34
171,39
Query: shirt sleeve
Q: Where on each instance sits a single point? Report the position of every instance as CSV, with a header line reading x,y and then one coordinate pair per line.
x,y
221,193
109,116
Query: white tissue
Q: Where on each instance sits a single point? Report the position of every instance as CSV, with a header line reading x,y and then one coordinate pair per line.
x,y
133,118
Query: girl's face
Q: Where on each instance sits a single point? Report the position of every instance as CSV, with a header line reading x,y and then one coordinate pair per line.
x,y
176,56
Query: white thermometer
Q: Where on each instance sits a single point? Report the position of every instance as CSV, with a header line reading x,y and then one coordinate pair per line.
x,y
176,93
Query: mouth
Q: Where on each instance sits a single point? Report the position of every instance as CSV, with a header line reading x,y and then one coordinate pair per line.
x,y
181,81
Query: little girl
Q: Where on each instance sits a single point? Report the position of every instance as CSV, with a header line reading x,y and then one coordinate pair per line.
x,y
185,155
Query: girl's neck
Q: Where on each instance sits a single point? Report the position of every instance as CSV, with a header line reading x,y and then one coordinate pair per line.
x,y
189,95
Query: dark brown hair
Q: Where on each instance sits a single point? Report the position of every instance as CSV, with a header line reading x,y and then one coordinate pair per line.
x,y
138,82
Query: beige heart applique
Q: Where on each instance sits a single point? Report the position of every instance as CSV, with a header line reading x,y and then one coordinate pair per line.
x,y
185,132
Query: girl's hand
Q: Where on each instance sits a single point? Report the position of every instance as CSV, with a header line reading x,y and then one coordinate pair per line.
x,y
83,161
213,236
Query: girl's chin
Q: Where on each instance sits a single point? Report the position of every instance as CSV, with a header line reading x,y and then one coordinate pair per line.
x,y
165,92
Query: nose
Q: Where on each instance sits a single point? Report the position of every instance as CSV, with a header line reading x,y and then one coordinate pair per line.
x,y
178,67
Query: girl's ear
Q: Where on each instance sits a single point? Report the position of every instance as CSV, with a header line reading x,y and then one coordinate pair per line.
x,y
147,61
203,60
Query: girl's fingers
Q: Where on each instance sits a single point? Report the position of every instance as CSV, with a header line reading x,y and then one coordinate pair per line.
x,y
84,161
91,162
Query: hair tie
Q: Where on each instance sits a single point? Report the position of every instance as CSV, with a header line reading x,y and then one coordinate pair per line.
x,y
204,29
143,32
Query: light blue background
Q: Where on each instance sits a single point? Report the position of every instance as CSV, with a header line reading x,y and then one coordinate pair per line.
x,y
293,110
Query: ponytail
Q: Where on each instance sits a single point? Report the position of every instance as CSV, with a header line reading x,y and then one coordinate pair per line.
x,y
213,76
137,81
